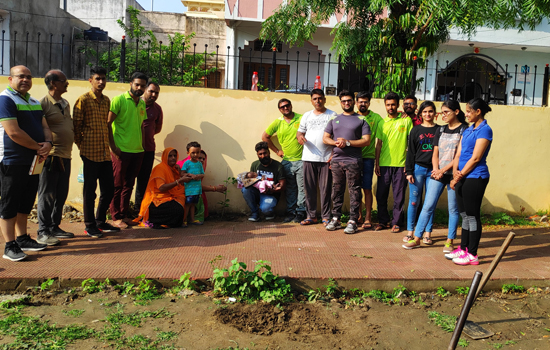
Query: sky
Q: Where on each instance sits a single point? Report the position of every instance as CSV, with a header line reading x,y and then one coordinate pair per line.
x,y
163,5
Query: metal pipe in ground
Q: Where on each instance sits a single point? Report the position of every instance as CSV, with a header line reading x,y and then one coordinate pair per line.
x,y
465,310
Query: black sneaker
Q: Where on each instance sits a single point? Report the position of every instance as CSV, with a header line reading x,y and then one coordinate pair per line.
x,y
105,227
59,233
93,232
299,218
27,243
288,218
13,253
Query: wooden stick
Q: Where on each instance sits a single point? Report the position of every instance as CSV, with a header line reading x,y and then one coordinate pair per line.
x,y
470,298
495,262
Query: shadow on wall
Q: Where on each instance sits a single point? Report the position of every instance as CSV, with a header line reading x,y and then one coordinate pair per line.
x,y
521,207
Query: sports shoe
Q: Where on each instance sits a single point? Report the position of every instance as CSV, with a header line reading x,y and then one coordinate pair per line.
x,y
351,228
27,243
466,259
269,217
93,232
299,218
13,253
457,253
59,233
106,228
47,239
448,248
411,244
254,217
334,224
289,218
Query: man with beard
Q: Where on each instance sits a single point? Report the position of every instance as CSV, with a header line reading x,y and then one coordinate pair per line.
x,y
375,123
389,164
286,127
268,169
409,106
151,126
126,116
348,133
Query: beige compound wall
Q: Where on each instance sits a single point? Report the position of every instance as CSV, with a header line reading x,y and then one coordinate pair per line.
x,y
228,123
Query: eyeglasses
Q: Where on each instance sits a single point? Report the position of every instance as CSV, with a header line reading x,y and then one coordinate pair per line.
x,y
346,101
285,106
408,104
23,76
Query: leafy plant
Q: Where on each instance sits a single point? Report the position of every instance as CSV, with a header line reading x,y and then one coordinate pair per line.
x,y
73,313
445,322
47,284
225,202
185,282
143,292
259,284
91,286
512,288
332,287
442,292
462,290
463,343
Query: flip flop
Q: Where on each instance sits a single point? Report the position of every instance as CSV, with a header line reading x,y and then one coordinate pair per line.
x,y
396,229
380,227
325,222
407,238
427,241
367,226
308,222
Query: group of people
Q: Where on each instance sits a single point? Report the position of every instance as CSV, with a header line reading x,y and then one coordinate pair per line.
x,y
320,150
116,142
323,151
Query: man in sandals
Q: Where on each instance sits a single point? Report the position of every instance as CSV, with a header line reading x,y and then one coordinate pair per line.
x,y
286,127
349,132
315,158
375,123
389,164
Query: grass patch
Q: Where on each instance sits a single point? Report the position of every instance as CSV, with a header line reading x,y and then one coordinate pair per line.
x,y
73,313
445,322
512,288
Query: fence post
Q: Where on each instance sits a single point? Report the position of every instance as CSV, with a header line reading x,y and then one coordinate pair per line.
x,y
545,82
413,77
122,71
273,69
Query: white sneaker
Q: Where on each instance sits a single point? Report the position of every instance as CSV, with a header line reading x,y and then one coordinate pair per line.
x,y
334,224
457,253
351,228
47,239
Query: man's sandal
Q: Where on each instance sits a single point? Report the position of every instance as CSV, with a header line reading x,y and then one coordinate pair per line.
x,y
367,226
396,229
325,222
308,222
380,227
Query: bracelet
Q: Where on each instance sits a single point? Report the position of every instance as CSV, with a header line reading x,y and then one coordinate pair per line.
x,y
213,189
177,182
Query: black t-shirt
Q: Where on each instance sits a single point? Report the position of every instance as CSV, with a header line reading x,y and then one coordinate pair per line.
x,y
273,172
420,148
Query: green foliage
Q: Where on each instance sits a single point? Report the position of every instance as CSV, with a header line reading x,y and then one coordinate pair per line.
x,y
166,336
259,284
442,292
502,218
143,292
510,342
496,345
225,202
90,286
463,343
445,322
512,288
47,284
331,291
73,313
387,298
185,282
171,64
462,290
385,46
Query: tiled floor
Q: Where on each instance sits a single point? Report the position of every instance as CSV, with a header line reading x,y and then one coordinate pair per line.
x,y
301,252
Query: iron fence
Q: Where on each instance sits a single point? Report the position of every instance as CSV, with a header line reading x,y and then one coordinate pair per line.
x,y
291,71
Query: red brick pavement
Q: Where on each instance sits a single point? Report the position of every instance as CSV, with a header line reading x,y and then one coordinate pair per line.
x,y
300,252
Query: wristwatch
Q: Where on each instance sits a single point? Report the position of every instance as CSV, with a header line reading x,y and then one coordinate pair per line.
x,y
348,143
51,142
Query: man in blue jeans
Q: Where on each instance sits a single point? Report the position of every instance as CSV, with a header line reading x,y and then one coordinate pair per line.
x,y
272,171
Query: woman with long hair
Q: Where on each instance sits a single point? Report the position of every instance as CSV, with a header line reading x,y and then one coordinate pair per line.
x,y
470,179
446,141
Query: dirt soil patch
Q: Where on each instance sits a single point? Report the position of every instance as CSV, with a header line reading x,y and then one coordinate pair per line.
x,y
519,321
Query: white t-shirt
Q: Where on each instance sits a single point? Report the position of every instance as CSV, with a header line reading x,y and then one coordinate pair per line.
x,y
313,127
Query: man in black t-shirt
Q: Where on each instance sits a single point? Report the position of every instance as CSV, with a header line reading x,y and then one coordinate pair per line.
x,y
269,170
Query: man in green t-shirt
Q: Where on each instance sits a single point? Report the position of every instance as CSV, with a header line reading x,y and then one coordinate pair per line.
x,y
389,164
126,116
286,127
368,153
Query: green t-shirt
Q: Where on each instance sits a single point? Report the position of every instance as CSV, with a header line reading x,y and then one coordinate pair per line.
x,y
127,125
375,122
394,135
286,133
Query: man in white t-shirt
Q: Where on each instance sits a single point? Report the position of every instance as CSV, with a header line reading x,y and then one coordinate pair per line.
x,y
315,158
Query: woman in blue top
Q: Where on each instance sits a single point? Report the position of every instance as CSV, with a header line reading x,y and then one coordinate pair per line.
x,y
470,179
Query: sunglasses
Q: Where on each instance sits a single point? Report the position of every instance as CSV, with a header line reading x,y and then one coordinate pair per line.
x,y
346,101
285,106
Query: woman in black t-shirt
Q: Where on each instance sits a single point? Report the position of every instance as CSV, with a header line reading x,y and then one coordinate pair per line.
x,y
446,141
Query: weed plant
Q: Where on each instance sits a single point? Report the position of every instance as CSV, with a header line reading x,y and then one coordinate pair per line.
x,y
512,288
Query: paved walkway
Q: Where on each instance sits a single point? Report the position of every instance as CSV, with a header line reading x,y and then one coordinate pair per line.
x,y
301,252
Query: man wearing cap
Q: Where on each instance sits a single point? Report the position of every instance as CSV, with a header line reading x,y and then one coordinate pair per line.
x,y
286,127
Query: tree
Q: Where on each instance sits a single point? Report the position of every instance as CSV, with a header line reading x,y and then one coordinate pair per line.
x,y
384,36
170,64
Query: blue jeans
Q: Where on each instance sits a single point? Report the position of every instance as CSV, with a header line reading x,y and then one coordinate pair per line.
x,y
368,171
266,203
434,189
421,177
295,195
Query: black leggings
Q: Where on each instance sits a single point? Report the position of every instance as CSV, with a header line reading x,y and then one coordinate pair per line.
x,y
469,195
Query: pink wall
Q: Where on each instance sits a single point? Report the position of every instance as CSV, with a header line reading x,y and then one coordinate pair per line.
x,y
270,6
248,8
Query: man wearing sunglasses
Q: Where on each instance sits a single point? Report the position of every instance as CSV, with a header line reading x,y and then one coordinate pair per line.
x,y
285,127
409,107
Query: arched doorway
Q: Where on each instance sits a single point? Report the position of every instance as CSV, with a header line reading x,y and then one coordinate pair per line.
x,y
472,76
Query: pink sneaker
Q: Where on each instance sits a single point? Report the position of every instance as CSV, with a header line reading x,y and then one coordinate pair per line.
x,y
457,253
467,259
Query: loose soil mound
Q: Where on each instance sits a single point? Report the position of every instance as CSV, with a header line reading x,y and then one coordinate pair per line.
x,y
265,319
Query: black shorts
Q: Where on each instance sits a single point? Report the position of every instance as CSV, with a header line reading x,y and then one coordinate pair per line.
x,y
17,190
